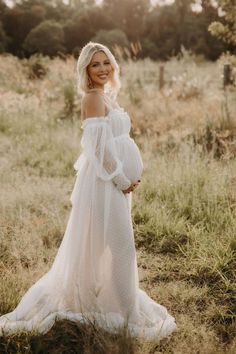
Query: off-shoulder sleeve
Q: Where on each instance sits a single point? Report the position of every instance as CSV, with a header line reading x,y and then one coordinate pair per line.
x,y
99,148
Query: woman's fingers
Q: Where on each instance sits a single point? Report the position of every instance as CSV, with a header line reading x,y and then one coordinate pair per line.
x,y
132,187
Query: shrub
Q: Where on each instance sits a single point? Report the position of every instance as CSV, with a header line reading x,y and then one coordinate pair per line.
x,y
47,38
3,39
37,68
111,38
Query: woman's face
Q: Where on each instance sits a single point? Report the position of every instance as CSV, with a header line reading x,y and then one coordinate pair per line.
x,y
99,70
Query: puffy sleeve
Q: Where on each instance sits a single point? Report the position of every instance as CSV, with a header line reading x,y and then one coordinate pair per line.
x,y
99,148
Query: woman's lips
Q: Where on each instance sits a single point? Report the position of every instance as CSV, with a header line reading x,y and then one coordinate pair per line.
x,y
102,76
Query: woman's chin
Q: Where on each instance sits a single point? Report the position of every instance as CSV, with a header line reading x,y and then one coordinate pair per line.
x,y
102,82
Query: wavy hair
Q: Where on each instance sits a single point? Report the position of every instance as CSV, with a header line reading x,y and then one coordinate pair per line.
x,y
113,85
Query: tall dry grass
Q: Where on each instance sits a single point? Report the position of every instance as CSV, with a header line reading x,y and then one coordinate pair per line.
x,y
183,212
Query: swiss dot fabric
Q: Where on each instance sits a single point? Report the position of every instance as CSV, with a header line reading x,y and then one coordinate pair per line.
x,y
94,275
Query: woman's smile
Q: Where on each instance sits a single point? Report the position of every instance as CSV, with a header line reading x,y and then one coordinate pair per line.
x,y
99,70
103,76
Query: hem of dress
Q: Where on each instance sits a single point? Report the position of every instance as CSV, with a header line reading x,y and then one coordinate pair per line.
x,y
111,322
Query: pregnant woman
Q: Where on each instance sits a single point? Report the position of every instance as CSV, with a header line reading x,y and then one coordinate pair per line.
x,y
94,275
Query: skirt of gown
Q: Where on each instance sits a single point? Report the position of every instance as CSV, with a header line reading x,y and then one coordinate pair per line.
x,y
94,275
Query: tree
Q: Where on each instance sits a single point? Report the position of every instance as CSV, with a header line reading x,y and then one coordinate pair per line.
x,y
128,16
58,11
83,26
171,27
148,49
47,38
213,46
18,22
4,40
111,38
3,8
225,28
160,29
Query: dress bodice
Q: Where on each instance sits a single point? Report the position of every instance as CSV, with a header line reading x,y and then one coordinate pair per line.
x,y
118,120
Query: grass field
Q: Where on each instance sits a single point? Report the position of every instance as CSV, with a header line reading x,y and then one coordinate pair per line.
x,y
184,212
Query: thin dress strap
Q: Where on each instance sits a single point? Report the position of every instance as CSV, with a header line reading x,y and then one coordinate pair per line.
x,y
109,104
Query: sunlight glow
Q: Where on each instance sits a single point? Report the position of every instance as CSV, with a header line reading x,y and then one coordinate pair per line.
x,y
9,3
162,2
196,6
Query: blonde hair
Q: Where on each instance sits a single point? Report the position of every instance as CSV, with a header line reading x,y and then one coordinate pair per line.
x,y
113,86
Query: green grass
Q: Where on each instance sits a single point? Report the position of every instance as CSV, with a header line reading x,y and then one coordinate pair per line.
x,y
184,212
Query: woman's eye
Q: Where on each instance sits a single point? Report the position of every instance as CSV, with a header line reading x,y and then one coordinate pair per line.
x,y
94,65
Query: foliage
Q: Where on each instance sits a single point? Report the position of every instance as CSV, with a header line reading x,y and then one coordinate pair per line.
x,y
47,38
160,29
37,67
184,211
70,108
3,39
225,29
18,22
171,27
120,12
111,38
84,25
149,49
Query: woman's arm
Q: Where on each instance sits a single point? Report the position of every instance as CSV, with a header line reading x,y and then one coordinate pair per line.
x,y
99,145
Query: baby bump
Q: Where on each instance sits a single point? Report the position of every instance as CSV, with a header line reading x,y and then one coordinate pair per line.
x,y
131,159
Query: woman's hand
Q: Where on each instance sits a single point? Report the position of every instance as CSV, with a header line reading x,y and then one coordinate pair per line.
x,y
131,187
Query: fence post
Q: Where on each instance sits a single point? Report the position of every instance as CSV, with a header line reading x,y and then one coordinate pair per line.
x,y
227,74
161,76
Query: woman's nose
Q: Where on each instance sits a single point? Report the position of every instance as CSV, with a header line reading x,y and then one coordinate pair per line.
x,y
102,67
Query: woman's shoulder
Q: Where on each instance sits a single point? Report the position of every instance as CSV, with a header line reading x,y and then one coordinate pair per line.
x,y
92,105
92,98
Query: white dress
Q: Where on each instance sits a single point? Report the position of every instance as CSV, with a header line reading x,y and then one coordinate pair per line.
x,y
94,275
